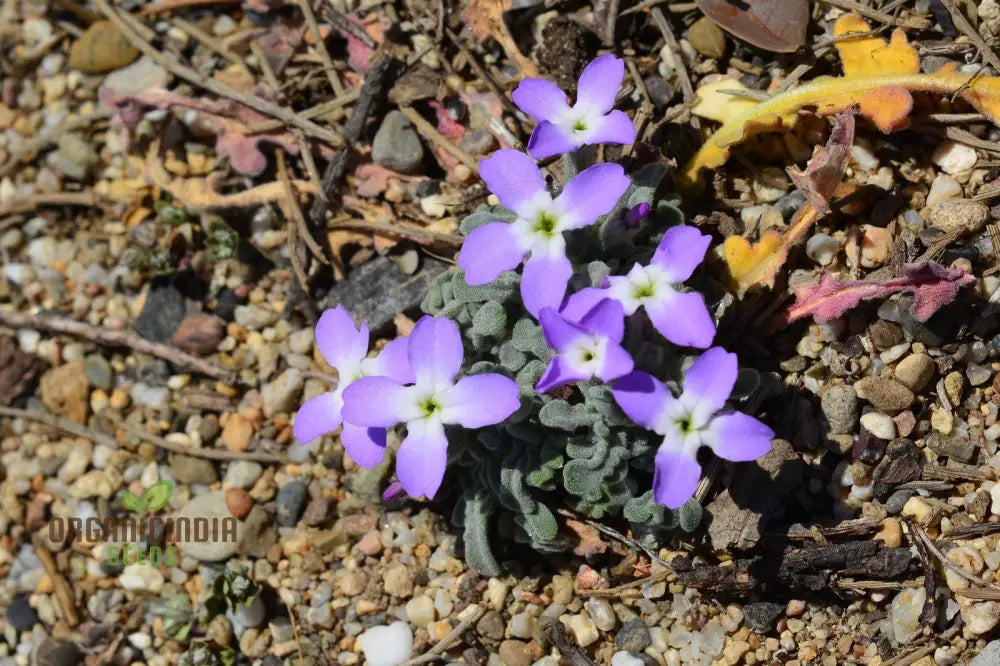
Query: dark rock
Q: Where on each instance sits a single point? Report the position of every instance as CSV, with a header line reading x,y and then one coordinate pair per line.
x,y
940,328
885,334
477,142
633,636
955,447
491,625
840,407
291,501
161,313
20,614
397,145
901,463
188,469
377,290
868,448
789,204
258,533
660,92
894,505
57,652
226,302
760,616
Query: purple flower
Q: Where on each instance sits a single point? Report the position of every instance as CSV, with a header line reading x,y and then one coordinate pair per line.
x,y
585,350
538,229
680,317
691,421
563,128
433,401
345,347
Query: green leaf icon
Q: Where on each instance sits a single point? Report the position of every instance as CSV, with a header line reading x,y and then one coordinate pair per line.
x,y
130,501
157,495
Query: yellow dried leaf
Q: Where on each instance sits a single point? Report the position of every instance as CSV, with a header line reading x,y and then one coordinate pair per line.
x,y
870,55
715,104
756,264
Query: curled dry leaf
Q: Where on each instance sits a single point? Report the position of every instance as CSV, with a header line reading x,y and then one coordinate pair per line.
x,y
877,81
932,284
484,20
772,25
825,170
230,122
589,541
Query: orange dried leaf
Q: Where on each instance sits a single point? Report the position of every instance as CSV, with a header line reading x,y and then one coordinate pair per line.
x,y
756,264
590,542
870,55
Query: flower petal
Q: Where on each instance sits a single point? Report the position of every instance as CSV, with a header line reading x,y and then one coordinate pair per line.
x,y
543,282
340,341
435,352
590,194
683,318
479,400
559,373
681,251
379,402
422,457
366,446
675,479
489,251
582,302
317,416
738,437
710,380
513,177
607,319
617,362
643,398
539,98
599,83
558,332
616,127
548,139
393,362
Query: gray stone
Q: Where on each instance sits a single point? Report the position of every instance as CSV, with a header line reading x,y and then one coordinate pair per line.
x,y
20,614
279,395
57,652
258,533
989,656
76,157
188,469
218,546
477,142
840,407
760,616
955,447
491,625
894,505
98,372
397,145
254,317
161,313
633,636
242,474
291,501
886,394
141,75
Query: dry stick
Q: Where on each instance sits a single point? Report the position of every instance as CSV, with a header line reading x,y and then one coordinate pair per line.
x,y
966,29
130,28
207,40
416,234
211,454
87,199
617,591
610,22
972,578
63,592
430,133
111,338
675,49
914,22
675,8
473,614
348,28
480,71
294,213
324,55
322,109
60,423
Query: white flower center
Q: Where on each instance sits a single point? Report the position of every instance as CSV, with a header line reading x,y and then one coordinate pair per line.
x,y
579,121
540,224
682,422
587,354
642,285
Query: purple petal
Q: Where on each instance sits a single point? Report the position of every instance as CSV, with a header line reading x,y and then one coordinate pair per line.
x,y
366,446
543,282
422,458
394,491
681,251
548,139
607,319
683,319
582,302
379,402
617,363
479,400
558,332
435,352
489,251
616,127
513,177
675,479
592,193
339,340
539,98
710,379
599,83
316,417
739,437
393,362
559,373
643,398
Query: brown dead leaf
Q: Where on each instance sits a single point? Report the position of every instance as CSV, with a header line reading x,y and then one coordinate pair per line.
x,y
590,542
825,170
484,19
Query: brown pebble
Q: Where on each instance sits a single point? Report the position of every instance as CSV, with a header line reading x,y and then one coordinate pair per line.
x,y
890,533
237,433
514,653
317,511
707,38
239,502
101,48
370,543
795,608
199,333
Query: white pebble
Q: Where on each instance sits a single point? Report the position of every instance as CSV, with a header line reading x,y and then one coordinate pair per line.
x,y
943,188
878,424
623,658
822,248
420,610
863,156
387,646
954,157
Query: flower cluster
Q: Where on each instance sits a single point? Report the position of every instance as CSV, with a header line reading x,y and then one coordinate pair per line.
x,y
418,381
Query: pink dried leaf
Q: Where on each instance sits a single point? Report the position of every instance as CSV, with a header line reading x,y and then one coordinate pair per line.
x,y
825,170
932,284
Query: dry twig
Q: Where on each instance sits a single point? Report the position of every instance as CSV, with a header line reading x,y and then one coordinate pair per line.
x,y
430,133
472,615
63,592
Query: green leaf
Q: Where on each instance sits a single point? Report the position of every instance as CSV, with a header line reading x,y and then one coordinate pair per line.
x,y
158,495
130,501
